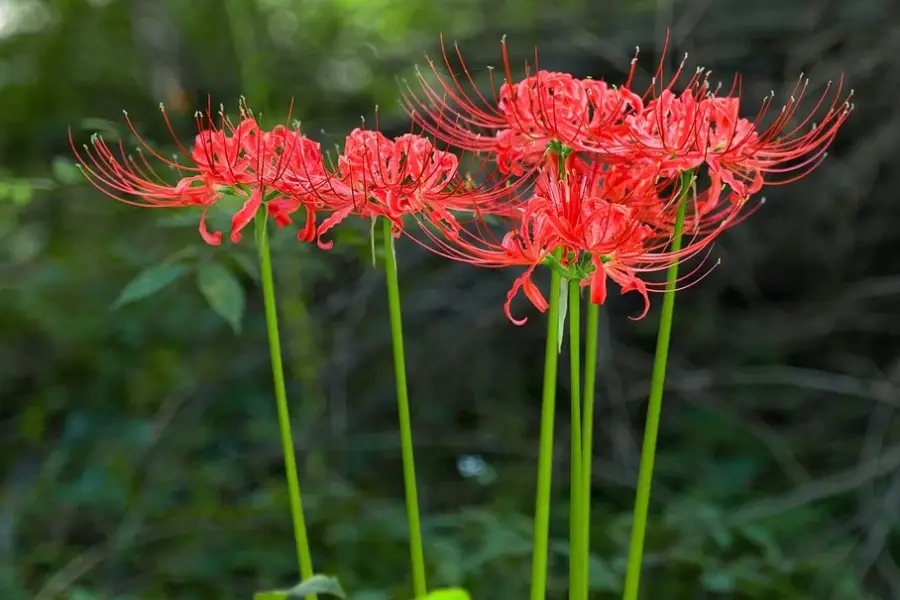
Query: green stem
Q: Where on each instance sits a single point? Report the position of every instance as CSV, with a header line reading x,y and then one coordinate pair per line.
x,y
654,409
577,563
592,326
417,553
284,419
545,457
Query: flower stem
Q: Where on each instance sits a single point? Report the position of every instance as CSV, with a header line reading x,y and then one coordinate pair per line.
x,y
654,410
587,436
284,420
545,456
417,553
577,563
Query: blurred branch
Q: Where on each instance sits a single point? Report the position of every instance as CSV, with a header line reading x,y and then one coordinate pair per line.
x,y
808,379
158,40
885,522
130,524
822,489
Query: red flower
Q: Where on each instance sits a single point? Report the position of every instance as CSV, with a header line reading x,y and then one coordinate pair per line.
x,y
593,222
521,118
592,176
626,158
525,242
376,176
696,127
747,155
239,159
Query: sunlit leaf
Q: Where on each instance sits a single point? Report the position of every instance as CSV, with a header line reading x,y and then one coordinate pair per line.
x,y
65,170
317,584
17,191
21,193
449,594
148,282
223,292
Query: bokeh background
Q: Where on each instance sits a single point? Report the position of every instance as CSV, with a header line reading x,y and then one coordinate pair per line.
x,y
139,456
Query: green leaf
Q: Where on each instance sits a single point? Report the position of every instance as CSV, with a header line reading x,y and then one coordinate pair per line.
x,y
223,292
188,216
563,311
765,540
449,594
247,265
601,577
21,192
148,282
317,584
17,191
65,170
103,127
82,594
719,582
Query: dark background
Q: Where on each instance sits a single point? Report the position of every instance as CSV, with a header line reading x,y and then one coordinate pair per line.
x,y
139,456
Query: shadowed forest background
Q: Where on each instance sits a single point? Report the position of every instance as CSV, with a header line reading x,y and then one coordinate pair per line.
x,y
139,454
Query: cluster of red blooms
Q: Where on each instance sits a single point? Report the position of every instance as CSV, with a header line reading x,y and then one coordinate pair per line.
x,y
590,179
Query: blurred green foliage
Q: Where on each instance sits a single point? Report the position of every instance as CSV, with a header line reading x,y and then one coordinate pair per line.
x,y
317,584
138,446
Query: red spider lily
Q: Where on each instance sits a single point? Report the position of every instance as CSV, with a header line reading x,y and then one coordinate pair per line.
x,y
697,127
621,222
525,243
592,222
521,118
226,158
745,154
376,176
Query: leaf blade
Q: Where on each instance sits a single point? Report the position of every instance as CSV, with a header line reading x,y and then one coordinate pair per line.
x,y
148,282
223,292
317,584
449,594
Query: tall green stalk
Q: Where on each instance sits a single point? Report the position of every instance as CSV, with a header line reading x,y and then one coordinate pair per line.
x,y
284,419
417,553
654,410
577,562
545,456
592,324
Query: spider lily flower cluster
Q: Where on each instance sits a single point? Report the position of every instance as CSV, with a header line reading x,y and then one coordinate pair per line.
x,y
614,174
284,172
586,177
